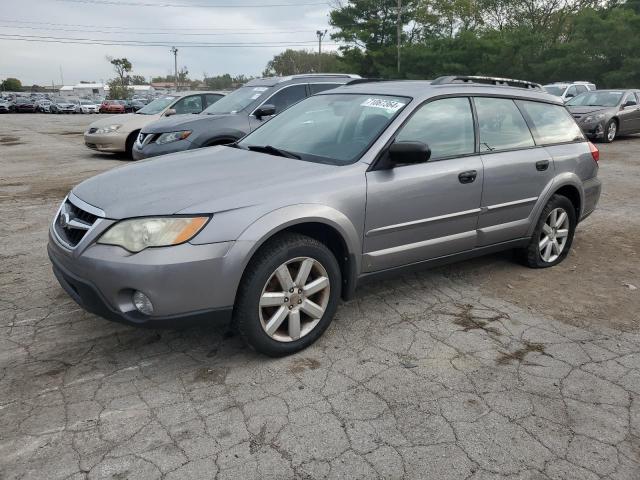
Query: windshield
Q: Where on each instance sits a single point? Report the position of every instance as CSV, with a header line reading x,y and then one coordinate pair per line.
x,y
157,106
603,98
236,100
335,128
555,90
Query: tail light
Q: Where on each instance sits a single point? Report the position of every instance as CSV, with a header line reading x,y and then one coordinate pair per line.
x,y
595,153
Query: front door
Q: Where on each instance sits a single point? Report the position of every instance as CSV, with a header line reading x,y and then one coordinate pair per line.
x,y
629,115
429,210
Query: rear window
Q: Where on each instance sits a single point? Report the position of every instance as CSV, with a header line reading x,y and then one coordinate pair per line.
x,y
550,123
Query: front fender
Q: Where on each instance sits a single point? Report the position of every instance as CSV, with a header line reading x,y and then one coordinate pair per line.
x,y
265,227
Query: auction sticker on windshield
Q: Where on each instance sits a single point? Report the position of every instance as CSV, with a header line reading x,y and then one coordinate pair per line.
x,y
389,105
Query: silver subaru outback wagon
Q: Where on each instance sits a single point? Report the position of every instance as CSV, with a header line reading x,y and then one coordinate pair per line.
x,y
347,185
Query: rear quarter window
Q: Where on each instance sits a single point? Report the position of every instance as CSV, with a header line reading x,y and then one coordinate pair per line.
x,y
550,123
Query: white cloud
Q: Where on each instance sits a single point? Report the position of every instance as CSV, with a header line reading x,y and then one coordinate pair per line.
x,y
40,63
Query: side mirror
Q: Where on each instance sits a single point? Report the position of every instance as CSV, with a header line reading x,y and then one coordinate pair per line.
x,y
265,110
569,95
409,152
630,103
169,112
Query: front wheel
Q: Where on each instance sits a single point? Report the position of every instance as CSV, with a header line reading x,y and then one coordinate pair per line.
x,y
288,295
553,235
610,131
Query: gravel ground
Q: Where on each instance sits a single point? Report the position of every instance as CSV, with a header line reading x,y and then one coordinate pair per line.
x,y
473,371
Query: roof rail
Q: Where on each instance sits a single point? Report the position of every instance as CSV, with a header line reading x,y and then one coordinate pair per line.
x,y
306,75
356,81
505,82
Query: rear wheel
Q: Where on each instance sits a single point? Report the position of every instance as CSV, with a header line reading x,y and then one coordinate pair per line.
x,y
552,238
288,295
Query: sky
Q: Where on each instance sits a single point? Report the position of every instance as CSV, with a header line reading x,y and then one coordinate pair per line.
x,y
267,28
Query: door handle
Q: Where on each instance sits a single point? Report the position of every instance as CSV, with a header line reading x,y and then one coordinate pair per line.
x,y
468,177
542,165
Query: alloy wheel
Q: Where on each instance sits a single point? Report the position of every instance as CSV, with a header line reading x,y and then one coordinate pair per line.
x,y
553,237
611,131
294,299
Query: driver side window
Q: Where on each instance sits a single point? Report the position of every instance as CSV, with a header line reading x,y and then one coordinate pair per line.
x,y
446,126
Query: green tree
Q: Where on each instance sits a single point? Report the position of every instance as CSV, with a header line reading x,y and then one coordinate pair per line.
x,y
119,86
11,85
138,80
292,62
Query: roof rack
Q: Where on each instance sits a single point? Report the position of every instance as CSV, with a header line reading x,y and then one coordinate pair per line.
x,y
356,81
306,75
505,82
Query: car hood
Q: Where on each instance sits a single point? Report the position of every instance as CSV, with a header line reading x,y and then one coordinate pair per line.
x,y
129,121
181,122
207,180
587,109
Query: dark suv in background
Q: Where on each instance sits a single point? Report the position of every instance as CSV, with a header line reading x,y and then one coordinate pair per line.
x,y
232,117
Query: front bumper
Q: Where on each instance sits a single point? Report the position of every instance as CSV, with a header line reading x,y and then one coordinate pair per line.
x,y
149,150
180,281
593,130
106,142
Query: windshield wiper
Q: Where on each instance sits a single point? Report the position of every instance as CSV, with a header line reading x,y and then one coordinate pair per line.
x,y
273,151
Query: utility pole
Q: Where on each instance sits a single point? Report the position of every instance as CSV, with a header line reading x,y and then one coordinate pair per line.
x,y
320,35
399,31
174,50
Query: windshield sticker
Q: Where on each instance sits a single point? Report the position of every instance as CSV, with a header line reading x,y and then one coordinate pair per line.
x,y
389,105
257,95
260,89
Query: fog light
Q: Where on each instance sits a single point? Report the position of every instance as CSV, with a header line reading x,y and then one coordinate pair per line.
x,y
142,303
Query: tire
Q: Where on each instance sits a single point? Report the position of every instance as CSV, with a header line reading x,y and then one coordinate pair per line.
x,y
537,256
252,319
610,131
128,147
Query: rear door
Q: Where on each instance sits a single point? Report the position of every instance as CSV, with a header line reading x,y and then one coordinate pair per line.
x,y
428,210
516,171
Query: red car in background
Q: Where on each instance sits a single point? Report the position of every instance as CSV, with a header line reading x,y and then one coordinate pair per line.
x,y
111,106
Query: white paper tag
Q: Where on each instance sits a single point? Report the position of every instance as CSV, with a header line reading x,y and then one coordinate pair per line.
x,y
257,95
386,104
259,89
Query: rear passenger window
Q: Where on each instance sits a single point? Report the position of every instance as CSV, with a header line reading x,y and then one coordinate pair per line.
x,y
502,126
550,123
321,87
445,125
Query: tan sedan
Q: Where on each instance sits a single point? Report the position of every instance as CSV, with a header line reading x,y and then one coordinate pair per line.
x,y
117,134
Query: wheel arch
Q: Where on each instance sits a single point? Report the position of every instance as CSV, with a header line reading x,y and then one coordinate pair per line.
x,y
323,223
567,184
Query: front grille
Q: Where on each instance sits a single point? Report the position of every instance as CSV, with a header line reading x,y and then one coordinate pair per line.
x,y
69,223
93,130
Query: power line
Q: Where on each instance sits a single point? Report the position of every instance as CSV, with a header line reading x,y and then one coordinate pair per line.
x,y
130,32
136,43
186,5
120,27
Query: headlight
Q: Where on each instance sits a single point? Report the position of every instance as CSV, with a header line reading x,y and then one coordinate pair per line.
x,y
594,118
108,128
137,234
172,137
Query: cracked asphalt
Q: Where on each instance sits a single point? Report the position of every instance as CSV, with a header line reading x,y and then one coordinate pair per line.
x,y
474,371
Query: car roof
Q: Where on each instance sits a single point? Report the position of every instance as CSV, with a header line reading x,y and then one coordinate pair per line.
x,y
301,78
424,89
193,92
